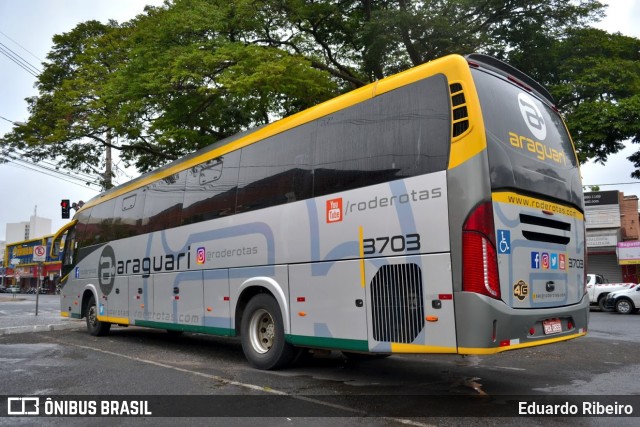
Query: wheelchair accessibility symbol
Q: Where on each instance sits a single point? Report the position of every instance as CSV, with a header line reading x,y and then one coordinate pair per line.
x,y
504,241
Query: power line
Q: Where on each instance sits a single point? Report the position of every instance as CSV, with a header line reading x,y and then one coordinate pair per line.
x,y
22,47
50,170
20,61
617,183
58,175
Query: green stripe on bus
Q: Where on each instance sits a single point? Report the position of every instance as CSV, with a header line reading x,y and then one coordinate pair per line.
x,y
76,316
324,342
225,332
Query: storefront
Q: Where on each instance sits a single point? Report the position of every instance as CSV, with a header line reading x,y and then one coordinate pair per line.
x,y
607,233
22,271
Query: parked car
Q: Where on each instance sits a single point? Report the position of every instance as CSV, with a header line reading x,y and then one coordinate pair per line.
x,y
3,289
624,302
598,287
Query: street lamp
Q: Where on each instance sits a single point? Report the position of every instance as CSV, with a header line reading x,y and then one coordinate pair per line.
x,y
12,122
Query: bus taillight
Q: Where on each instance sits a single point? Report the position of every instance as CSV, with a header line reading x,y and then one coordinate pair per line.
x,y
480,265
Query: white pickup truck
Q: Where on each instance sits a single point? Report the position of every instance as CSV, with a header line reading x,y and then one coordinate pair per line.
x,y
598,289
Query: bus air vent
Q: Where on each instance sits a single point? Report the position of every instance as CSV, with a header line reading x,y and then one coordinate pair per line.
x,y
545,222
460,122
397,303
548,231
547,238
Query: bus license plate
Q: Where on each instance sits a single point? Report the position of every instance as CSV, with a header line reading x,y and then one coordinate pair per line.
x,y
552,326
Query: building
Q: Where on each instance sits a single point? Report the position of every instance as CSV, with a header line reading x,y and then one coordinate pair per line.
x,y
18,267
23,271
613,235
3,246
35,227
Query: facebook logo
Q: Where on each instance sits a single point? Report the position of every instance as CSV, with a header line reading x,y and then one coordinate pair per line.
x,y
535,260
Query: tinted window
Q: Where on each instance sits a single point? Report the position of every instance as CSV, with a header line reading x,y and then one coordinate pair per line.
x,y
82,237
276,170
100,226
211,189
396,135
163,203
128,214
527,143
69,247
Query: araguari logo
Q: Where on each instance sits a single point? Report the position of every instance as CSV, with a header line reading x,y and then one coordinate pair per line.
x,y
109,266
534,120
532,116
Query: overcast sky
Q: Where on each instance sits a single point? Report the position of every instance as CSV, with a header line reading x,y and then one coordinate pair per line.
x,y
32,24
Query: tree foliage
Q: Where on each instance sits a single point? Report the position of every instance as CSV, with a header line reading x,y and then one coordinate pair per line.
x,y
595,78
182,76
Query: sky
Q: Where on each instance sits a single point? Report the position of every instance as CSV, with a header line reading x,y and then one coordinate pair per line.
x,y
31,24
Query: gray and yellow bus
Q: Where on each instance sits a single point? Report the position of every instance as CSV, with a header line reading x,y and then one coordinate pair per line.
x,y
436,211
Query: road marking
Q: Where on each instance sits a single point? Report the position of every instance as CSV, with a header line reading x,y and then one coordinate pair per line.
x,y
249,386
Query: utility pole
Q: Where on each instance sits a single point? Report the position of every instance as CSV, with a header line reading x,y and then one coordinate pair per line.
x,y
108,161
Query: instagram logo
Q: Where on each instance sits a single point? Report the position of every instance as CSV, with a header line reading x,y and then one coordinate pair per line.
x,y
201,256
545,261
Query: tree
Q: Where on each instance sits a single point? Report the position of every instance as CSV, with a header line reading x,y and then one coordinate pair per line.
x,y
193,78
70,119
193,72
595,79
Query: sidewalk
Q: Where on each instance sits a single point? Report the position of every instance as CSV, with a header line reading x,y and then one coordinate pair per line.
x,y
17,314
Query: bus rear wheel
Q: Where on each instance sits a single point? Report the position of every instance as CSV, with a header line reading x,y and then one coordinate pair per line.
x,y
95,326
262,334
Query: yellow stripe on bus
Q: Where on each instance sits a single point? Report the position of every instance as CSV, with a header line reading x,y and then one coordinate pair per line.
x,y
494,350
362,276
64,314
530,202
117,320
419,348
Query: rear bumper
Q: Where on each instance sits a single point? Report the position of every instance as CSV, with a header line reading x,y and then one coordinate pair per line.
x,y
487,326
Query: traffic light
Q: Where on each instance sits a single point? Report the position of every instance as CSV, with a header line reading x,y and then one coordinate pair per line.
x,y
66,208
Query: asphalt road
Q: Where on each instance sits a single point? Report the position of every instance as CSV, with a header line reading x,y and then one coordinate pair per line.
x,y
404,389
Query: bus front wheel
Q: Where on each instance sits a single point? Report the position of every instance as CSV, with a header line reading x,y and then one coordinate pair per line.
x,y
95,326
262,334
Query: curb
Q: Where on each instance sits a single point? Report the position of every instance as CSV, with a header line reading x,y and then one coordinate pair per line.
x,y
41,328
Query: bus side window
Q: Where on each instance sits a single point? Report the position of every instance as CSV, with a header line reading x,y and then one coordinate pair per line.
x,y
210,190
81,227
163,203
99,226
277,170
128,214
399,134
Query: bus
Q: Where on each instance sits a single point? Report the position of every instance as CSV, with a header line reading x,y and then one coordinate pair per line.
x,y
439,210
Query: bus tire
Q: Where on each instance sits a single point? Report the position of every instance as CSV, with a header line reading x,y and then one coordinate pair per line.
x,y
95,326
262,334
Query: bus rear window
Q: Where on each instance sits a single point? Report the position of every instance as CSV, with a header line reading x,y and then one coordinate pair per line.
x,y
528,146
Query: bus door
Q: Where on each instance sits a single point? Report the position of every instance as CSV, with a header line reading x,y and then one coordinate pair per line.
x,y
411,304
328,306
113,289
141,298
116,304
178,299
